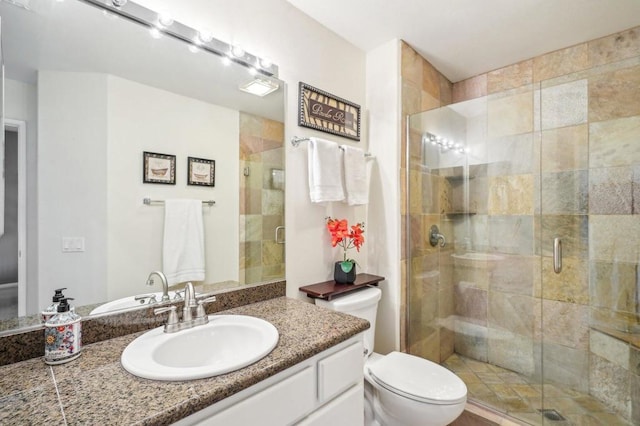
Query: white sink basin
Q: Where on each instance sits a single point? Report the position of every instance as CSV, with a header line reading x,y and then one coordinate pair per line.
x,y
227,343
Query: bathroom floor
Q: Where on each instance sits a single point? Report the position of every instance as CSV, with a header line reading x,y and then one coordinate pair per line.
x,y
520,397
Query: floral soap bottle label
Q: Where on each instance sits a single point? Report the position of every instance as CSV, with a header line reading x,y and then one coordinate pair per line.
x,y
62,336
62,343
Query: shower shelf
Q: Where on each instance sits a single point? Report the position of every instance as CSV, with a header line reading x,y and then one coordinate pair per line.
x,y
460,213
458,178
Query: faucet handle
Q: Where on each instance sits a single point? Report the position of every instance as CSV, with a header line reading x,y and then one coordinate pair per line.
x,y
200,313
173,316
179,295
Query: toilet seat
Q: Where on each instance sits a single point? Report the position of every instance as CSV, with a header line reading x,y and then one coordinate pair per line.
x,y
418,379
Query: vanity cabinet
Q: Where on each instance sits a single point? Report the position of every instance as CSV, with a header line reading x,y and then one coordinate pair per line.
x,y
324,389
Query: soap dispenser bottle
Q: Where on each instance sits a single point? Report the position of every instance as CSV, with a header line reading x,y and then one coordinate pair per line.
x,y
62,335
52,309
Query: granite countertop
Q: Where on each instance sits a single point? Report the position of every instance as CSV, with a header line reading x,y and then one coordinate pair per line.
x,y
95,389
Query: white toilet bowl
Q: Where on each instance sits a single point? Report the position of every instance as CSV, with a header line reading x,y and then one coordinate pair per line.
x,y
405,390
401,389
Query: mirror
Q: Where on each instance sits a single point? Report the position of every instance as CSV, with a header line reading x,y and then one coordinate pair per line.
x,y
92,92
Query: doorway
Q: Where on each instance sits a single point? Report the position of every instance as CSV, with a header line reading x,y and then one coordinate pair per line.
x,y
13,240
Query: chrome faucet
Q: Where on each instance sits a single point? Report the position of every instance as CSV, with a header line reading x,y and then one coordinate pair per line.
x,y
165,285
188,321
189,302
436,237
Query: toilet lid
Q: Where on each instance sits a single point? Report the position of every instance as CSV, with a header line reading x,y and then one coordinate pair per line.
x,y
418,379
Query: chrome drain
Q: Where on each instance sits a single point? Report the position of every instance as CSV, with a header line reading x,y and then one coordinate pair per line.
x,y
551,414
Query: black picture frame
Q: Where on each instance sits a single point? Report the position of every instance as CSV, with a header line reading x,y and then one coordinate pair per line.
x,y
328,113
201,171
158,168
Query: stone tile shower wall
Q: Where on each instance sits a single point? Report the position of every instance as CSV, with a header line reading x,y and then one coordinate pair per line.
x,y
261,199
578,110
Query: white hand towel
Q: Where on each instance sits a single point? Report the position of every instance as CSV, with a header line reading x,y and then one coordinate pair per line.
x,y
356,180
325,171
183,247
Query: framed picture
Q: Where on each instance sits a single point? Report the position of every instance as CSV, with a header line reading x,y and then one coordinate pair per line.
x,y
158,168
202,172
323,111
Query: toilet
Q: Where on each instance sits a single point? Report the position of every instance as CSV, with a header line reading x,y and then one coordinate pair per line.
x,y
400,389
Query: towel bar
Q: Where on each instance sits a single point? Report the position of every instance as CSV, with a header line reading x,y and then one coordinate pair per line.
x,y
148,201
296,140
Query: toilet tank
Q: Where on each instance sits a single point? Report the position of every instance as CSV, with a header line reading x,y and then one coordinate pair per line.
x,y
360,303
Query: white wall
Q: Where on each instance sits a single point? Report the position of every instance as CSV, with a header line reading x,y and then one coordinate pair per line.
x,y
72,177
305,51
383,102
170,124
21,104
95,127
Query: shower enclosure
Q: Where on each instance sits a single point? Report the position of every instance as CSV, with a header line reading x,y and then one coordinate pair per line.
x,y
533,298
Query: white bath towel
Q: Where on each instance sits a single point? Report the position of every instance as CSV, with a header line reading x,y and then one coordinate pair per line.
x,y
325,171
183,247
356,180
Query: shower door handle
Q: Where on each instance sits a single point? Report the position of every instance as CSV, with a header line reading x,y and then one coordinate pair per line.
x,y
277,238
557,255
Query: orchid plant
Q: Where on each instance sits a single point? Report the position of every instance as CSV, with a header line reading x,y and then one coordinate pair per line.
x,y
346,238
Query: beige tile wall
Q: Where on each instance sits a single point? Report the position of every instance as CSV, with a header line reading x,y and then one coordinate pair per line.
x,y
261,203
578,109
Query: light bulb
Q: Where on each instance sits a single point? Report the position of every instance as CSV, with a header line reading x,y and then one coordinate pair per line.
x,y
237,51
226,61
205,36
265,62
118,3
193,48
253,71
165,19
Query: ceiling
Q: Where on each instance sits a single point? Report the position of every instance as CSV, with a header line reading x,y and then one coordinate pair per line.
x,y
74,36
463,38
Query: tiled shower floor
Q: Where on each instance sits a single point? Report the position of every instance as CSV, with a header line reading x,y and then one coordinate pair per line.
x,y
520,397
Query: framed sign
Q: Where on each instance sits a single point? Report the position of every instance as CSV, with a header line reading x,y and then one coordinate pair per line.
x,y
323,111
201,172
158,168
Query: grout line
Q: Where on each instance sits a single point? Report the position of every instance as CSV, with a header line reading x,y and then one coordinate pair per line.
x,y
55,384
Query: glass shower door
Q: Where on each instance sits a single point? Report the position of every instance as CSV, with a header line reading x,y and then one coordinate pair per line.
x,y
471,303
589,126
534,299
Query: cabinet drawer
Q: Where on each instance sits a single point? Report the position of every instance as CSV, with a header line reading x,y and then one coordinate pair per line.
x,y
340,371
280,404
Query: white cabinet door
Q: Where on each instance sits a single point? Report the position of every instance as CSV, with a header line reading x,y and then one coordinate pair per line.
x,y
278,405
339,371
346,410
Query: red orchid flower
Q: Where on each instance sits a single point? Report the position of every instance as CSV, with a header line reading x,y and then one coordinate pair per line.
x,y
345,238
